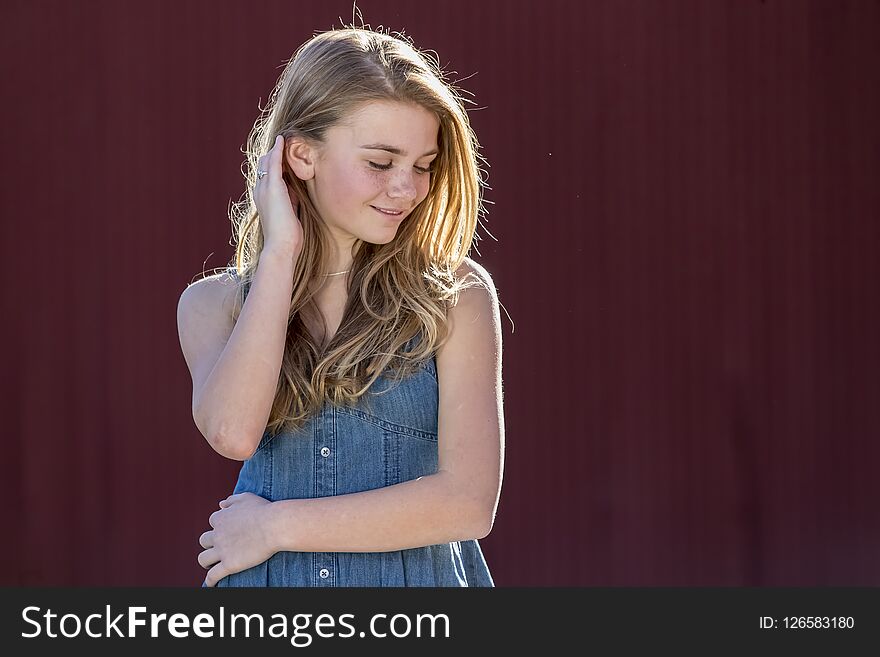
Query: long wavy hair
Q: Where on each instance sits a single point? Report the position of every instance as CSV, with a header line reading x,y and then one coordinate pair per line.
x,y
396,291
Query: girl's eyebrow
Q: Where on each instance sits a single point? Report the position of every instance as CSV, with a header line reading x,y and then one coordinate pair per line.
x,y
392,149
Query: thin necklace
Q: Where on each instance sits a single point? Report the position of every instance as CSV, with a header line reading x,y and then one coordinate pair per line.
x,y
338,273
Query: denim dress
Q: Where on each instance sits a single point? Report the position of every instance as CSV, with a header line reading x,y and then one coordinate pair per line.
x,y
388,437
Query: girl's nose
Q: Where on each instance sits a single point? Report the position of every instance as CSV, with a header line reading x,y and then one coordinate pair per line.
x,y
404,186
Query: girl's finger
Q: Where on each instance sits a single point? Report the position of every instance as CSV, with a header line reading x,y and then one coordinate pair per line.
x,y
276,156
214,575
272,148
208,558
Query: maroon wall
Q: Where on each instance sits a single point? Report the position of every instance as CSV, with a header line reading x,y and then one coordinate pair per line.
x,y
684,200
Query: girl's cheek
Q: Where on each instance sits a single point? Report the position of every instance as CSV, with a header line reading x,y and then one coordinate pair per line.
x,y
372,181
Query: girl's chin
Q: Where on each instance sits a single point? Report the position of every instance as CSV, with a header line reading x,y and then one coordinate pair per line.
x,y
379,236
388,237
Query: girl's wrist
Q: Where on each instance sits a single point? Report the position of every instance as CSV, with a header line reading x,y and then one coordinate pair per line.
x,y
274,523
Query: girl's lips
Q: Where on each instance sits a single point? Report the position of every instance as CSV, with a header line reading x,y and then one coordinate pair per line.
x,y
386,213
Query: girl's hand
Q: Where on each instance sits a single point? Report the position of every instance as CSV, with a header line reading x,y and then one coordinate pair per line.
x,y
276,202
240,539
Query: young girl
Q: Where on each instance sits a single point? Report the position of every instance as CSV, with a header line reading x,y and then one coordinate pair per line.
x,y
351,357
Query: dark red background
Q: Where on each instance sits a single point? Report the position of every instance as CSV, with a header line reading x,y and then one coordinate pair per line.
x,y
684,200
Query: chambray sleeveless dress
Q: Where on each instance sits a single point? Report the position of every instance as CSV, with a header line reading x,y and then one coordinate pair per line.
x,y
385,440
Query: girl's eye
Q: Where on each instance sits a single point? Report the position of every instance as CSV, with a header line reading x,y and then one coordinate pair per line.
x,y
385,167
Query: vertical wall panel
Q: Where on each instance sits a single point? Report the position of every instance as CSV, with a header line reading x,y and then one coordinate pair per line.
x,y
682,228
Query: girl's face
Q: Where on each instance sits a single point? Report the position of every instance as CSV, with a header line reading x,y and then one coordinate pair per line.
x,y
379,158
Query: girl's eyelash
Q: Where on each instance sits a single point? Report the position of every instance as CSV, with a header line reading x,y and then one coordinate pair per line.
x,y
385,167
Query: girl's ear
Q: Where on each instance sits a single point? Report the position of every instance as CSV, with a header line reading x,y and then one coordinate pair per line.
x,y
300,158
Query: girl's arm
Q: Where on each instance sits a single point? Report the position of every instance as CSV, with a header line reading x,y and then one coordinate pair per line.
x,y
425,511
235,368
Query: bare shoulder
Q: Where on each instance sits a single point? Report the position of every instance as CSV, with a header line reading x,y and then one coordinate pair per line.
x,y
476,276
473,271
208,299
479,292
475,320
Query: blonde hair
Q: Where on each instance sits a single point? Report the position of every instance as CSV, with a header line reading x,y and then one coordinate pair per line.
x,y
396,290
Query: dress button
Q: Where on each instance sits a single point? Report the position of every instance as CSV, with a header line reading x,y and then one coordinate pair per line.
x,y
324,573
325,451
